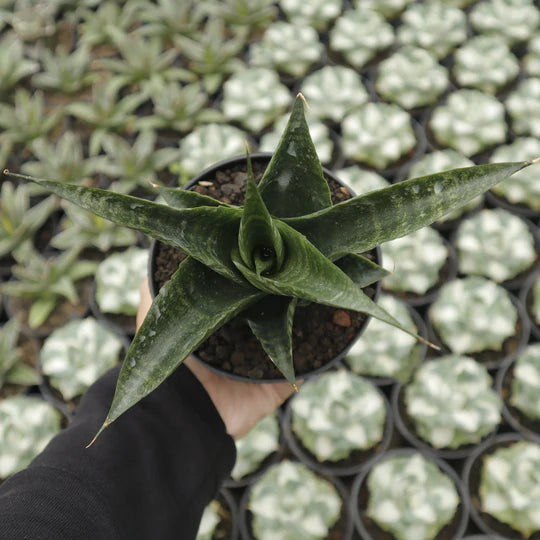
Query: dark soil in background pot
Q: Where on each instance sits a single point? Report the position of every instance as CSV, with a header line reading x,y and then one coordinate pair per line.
x,y
320,333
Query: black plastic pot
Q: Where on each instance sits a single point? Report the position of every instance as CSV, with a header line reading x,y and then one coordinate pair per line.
x,y
525,295
405,426
471,479
515,419
522,339
360,494
516,208
345,467
344,533
257,158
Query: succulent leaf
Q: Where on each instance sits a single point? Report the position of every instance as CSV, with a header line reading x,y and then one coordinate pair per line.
x,y
364,222
293,183
361,270
182,198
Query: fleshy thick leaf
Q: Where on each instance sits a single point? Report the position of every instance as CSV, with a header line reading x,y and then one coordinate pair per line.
x,y
182,198
361,270
189,307
361,223
271,322
207,234
293,183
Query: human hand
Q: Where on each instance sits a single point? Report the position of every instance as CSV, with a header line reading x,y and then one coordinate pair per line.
x,y
240,404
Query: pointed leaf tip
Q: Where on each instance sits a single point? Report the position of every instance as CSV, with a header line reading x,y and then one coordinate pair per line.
x,y
6,172
101,429
533,161
301,96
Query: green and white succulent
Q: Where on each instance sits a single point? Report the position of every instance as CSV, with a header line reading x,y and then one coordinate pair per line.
x,y
524,189
27,424
485,63
46,281
333,92
317,13
13,370
469,122
14,66
319,133
291,48
525,391
452,403
118,278
281,243
386,352
444,160
362,181
495,244
515,20
523,106
169,18
290,502
415,261
509,488
266,100
33,20
531,61
411,77
435,26
18,220
256,14
359,35
377,134
336,414
387,8
76,354
252,449
410,497
473,314
209,521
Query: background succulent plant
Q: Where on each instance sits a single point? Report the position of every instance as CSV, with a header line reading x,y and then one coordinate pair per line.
x,y
336,414
282,243
410,497
292,502
522,105
452,403
14,66
525,395
209,521
509,490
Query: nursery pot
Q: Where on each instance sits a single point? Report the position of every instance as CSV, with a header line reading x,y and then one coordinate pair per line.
x,y
322,335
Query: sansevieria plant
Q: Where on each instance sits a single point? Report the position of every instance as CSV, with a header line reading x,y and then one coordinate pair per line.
x,y
279,249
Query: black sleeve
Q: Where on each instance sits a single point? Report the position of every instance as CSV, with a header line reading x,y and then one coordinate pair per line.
x,y
149,476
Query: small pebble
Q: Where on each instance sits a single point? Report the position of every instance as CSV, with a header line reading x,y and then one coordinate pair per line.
x,y
341,318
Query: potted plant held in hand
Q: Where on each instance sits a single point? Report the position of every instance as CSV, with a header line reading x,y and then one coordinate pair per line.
x,y
286,245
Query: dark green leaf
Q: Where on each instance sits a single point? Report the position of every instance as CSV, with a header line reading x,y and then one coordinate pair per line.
x,y
361,223
188,309
271,321
182,198
293,183
361,270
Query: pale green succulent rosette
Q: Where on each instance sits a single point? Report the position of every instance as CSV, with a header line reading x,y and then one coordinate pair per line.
x,y
334,91
290,48
358,35
266,100
531,61
210,143
473,314
320,134
509,489
412,78
381,352
360,180
290,502
524,188
444,160
75,355
495,244
452,403
525,394
485,63
514,20
410,497
435,26
27,424
316,13
256,446
118,279
469,122
377,134
337,414
523,105
387,8
415,261
209,521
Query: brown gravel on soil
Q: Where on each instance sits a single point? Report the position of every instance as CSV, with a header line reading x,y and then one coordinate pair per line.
x,y
320,333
